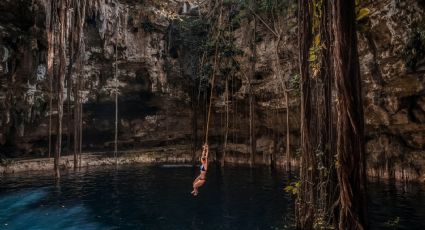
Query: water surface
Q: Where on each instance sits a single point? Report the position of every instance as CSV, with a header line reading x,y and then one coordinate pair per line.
x,y
154,197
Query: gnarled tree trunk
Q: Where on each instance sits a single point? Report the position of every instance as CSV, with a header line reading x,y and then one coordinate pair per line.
x,y
317,197
350,124
306,197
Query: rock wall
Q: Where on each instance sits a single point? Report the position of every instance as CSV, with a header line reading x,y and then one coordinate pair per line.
x,y
161,102
393,64
154,108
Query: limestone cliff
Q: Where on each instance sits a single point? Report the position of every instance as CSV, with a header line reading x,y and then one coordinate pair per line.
x,y
162,100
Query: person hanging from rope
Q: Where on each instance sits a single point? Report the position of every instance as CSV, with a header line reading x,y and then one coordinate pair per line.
x,y
200,180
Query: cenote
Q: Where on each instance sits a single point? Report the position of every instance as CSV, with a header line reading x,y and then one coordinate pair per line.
x,y
158,197
107,105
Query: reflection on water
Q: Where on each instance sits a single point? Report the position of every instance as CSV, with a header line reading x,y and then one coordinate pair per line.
x,y
147,197
395,205
26,210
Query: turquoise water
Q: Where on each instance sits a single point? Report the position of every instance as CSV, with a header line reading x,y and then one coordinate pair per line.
x,y
153,197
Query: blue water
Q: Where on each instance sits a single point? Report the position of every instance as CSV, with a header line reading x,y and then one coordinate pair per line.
x,y
153,197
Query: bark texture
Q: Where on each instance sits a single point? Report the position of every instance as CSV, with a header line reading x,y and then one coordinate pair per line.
x,y
350,125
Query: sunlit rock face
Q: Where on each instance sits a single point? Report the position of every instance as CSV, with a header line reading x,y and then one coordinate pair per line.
x,y
156,68
392,61
153,103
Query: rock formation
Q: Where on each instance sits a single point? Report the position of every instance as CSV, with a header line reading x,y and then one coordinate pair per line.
x,y
160,82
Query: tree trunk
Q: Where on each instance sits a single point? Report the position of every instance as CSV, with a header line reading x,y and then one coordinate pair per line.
x,y
305,201
350,124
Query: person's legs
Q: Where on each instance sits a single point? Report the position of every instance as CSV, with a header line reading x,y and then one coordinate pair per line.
x,y
194,182
196,185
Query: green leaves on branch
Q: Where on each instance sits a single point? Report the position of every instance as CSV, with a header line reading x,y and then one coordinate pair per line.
x,y
362,13
293,188
393,224
314,56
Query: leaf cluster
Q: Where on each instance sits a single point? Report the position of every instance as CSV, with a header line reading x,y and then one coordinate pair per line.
x,y
293,188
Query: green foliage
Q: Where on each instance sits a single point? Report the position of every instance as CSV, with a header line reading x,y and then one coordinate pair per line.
x,y
317,15
293,188
362,17
314,56
320,223
316,48
362,13
393,224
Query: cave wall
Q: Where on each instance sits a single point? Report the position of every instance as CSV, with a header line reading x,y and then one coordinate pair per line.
x,y
154,107
158,75
392,58
392,64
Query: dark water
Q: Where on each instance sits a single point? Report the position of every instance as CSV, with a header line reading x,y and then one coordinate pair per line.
x,y
148,197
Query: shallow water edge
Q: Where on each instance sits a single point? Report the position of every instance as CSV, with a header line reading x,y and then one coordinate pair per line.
x,y
174,155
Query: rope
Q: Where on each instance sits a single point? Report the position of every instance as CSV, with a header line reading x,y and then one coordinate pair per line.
x,y
211,94
213,78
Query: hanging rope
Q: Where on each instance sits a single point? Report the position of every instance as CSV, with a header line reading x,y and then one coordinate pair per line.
x,y
211,94
213,78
